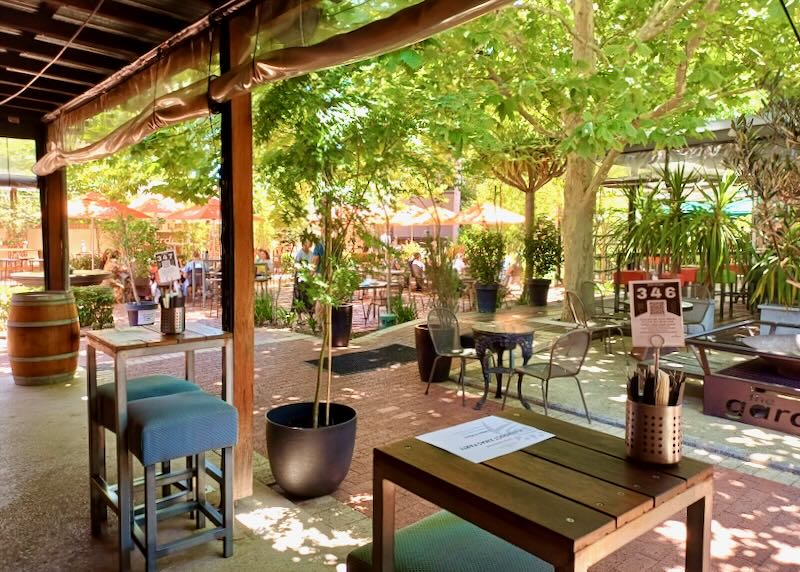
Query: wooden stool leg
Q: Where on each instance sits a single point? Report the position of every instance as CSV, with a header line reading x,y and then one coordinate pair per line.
x,y
227,501
97,466
190,482
151,520
200,493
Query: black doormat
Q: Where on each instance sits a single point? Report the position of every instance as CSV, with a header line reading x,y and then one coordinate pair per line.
x,y
358,362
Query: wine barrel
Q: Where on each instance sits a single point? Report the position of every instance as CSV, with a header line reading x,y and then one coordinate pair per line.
x,y
43,337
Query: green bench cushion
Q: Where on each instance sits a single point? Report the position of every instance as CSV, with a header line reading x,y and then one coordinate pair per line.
x,y
138,388
445,543
179,425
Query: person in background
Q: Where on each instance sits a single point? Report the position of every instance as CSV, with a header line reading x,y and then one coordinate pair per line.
x,y
458,264
304,256
194,268
118,272
418,272
263,261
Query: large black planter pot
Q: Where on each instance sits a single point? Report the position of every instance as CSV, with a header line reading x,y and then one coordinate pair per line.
x,y
537,291
310,462
486,296
426,354
341,325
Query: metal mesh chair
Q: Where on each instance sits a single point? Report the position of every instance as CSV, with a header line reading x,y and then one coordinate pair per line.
x,y
601,310
603,327
567,355
695,318
446,338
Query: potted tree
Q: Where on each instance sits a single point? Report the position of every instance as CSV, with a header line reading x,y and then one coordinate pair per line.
x,y
485,250
138,243
542,253
344,281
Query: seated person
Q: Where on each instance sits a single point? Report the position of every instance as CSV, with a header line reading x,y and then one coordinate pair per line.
x,y
264,265
193,272
418,272
119,274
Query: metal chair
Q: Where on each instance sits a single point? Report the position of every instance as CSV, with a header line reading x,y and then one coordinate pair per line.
x,y
697,315
567,355
600,311
446,338
603,327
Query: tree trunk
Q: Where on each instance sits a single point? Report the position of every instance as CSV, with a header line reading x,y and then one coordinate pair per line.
x,y
577,226
579,193
530,221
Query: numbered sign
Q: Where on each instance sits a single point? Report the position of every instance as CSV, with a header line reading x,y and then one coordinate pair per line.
x,y
656,315
168,270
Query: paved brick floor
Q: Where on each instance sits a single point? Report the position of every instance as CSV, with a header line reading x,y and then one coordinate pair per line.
x,y
756,521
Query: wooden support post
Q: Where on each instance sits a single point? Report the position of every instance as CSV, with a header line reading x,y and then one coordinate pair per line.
x,y
238,272
55,225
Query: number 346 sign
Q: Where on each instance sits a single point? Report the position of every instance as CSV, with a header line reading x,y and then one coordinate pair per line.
x,y
656,316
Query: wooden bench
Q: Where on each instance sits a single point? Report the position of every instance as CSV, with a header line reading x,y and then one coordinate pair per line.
x,y
445,543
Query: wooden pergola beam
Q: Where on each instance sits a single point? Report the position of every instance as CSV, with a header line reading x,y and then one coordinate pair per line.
x,y
89,39
238,272
28,44
55,222
56,71
32,103
128,14
43,84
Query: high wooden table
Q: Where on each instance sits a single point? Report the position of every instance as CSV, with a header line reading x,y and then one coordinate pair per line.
x,y
570,500
123,344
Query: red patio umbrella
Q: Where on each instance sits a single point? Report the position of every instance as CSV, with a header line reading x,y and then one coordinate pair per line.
x,y
94,206
155,206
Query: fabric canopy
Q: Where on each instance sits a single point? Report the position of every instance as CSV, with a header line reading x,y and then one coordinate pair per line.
x,y
94,205
270,41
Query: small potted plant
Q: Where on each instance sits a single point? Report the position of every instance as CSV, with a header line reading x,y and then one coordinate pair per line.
x,y
344,281
485,250
542,253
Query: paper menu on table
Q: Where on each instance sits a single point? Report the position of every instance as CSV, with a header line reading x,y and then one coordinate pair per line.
x,y
484,439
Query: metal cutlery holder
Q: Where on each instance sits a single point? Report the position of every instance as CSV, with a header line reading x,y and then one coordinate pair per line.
x,y
654,433
173,320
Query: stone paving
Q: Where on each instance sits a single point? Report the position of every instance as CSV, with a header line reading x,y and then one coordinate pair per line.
x,y
756,518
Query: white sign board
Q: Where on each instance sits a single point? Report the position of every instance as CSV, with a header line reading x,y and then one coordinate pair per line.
x,y
486,438
656,313
168,270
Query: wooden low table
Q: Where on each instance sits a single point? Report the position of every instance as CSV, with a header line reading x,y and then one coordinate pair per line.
x,y
571,500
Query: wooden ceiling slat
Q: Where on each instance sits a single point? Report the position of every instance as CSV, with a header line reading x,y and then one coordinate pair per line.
x,y
55,71
30,102
120,47
13,87
20,79
167,23
51,99
85,60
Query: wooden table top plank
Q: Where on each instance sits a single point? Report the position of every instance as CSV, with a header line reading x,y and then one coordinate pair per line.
x,y
618,502
660,486
548,512
691,470
136,337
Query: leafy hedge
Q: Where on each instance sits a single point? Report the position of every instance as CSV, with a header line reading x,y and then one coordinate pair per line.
x,y
95,306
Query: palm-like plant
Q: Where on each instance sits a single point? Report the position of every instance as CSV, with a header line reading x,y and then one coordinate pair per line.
x,y
719,237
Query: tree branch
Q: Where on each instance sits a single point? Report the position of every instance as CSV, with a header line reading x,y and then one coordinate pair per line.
x,y
571,31
681,71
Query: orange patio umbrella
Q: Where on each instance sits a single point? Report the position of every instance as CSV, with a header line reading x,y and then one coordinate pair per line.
x,y
488,214
155,206
208,212
94,206
431,214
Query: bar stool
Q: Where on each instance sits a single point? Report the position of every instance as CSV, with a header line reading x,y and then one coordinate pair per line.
x,y
175,426
102,416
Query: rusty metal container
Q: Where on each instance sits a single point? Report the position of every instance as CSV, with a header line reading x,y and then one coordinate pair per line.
x,y
654,433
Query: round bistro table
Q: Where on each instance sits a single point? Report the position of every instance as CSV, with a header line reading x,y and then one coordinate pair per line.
x,y
498,337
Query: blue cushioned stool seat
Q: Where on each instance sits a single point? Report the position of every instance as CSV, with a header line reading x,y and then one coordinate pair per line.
x,y
138,388
445,543
179,425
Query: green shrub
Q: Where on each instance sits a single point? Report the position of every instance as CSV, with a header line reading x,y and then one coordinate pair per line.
x,y
5,300
95,306
542,249
84,261
264,310
403,312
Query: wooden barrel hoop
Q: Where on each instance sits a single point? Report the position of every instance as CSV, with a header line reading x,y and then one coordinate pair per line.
x,y
43,337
